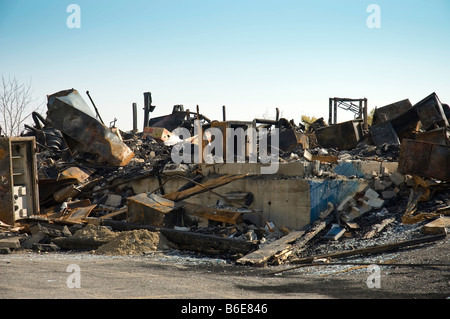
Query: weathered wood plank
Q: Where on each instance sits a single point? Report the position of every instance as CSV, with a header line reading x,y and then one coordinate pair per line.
x,y
262,255
437,226
283,247
378,228
204,187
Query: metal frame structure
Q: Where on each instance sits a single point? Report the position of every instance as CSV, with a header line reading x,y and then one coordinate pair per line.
x,y
347,104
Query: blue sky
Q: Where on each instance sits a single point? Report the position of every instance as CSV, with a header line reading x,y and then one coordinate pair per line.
x,y
251,56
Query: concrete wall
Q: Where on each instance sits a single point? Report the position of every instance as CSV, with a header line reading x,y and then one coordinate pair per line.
x,y
285,202
286,198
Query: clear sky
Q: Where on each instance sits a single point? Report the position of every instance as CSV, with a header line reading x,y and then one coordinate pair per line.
x,y
250,55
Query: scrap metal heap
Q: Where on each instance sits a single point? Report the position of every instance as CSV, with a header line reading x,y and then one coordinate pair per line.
x,y
88,176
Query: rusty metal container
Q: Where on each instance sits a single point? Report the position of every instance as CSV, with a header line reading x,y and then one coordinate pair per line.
x,y
431,112
440,136
425,159
390,111
342,136
19,197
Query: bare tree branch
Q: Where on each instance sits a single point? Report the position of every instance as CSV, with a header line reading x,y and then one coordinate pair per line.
x,y
16,105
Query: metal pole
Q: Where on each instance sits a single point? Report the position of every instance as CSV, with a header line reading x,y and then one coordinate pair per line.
x,y
147,107
335,111
134,117
330,117
96,111
224,113
366,124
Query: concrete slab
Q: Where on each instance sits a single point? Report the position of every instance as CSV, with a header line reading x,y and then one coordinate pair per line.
x,y
287,169
364,169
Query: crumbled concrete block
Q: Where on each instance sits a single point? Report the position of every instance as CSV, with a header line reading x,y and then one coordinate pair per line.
x,y
385,172
388,194
316,168
397,178
113,200
371,194
307,155
387,184
353,213
346,204
363,206
376,203
378,185
12,242
176,169
34,239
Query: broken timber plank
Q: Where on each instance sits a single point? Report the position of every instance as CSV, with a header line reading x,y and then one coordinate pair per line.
x,y
201,188
316,228
437,226
378,228
284,246
370,250
261,256
211,213
116,213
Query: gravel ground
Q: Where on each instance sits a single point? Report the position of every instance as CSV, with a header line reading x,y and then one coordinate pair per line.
x,y
184,275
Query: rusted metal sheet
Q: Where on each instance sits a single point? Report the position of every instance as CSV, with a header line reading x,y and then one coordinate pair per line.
x,y
68,112
289,139
440,136
390,111
398,121
431,112
343,136
74,173
425,159
384,133
170,122
77,214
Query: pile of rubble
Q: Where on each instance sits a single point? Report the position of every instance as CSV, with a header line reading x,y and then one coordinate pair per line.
x,y
88,178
